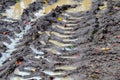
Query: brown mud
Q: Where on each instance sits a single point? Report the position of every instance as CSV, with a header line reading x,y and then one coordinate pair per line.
x,y
63,44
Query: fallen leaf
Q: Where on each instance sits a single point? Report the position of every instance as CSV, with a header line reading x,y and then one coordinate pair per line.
x,y
19,62
26,22
105,49
118,36
4,33
60,18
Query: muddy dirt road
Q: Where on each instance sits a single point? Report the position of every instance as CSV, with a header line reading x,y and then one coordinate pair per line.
x,y
60,40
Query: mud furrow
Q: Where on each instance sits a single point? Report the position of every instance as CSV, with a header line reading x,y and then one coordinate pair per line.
x,y
64,46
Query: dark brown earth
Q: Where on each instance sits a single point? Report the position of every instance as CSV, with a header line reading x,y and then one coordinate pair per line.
x,y
96,51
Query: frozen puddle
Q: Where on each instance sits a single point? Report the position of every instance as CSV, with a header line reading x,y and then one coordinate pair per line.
x,y
11,47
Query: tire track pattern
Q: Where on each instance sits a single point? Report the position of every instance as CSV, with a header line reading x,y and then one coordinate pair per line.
x,y
77,46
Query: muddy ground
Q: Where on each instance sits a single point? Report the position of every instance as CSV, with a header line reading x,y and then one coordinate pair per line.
x,y
61,45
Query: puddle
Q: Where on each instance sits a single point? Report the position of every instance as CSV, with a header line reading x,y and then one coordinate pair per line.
x,y
19,78
16,78
22,73
30,68
35,78
60,35
17,72
71,24
55,52
47,32
85,5
69,49
72,40
39,13
62,27
70,57
104,6
59,44
67,67
11,47
36,51
51,73
16,11
65,78
67,32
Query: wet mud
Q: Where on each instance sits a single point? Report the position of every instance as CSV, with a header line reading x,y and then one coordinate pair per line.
x,y
61,44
